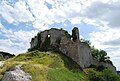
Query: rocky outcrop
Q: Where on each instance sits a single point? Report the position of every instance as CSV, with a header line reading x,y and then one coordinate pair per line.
x,y
16,74
109,66
6,55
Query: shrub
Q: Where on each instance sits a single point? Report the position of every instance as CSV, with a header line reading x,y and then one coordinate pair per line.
x,y
93,75
46,44
109,76
104,75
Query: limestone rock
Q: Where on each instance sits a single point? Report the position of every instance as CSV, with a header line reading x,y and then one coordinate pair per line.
x,y
1,63
16,74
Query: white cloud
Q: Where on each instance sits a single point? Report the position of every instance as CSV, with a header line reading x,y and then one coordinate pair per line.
x,y
60,11
108,40
15,42
75,20
105,36
105,13
17,13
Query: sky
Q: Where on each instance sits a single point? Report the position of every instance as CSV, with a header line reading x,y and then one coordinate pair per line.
x,y
98,21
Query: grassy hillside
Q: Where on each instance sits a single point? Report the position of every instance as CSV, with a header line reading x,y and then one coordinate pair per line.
x,y
49,66
46,66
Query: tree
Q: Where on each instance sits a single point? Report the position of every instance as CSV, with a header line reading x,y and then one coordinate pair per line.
x,y
100,55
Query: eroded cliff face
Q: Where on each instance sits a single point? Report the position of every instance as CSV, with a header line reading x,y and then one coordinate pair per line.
x,y
16,74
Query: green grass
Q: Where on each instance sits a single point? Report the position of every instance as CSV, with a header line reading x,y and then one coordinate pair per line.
x,y
49,66
60,74
46,66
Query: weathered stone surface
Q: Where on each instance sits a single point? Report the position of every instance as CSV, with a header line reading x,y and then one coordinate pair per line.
x,y
16,74
1,63
109,66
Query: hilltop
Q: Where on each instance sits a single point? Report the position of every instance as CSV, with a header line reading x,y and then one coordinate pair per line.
x,y
46,66
50,66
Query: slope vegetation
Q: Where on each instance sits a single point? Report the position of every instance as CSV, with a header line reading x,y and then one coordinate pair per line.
x,y
46,66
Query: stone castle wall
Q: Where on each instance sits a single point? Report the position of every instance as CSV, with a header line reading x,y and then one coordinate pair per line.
x,y
53,33
71,50
78,51
84,55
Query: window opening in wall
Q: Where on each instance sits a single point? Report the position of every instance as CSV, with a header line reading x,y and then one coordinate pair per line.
x,y
48,35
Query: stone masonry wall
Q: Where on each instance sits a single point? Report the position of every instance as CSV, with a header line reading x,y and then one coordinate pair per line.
x,y
84,55
71,50
78,51
53,33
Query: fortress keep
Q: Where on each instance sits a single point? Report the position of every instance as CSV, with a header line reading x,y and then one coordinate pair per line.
x,y
70,45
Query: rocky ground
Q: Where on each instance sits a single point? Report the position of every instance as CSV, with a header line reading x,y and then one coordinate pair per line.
x,y
16,74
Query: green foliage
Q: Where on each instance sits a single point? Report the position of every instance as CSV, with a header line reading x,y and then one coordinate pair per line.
x,y
46,44
105,75
46,66
100,55
61,74
93,75
39,39
85,41
109,76
36,53
74,36
38,72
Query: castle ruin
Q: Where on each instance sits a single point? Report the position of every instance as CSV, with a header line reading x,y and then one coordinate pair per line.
x,y
70,45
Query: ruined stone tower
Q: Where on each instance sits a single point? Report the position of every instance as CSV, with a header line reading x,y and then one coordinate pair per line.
x,y
70,45
76,32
